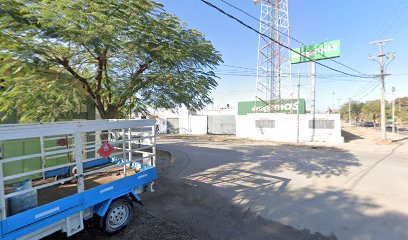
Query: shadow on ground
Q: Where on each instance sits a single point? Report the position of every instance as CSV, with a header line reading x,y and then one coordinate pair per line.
x,y
250,177
197,209
305,160
348,136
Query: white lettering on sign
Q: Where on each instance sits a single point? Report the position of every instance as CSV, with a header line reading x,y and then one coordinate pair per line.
x,y
320,50
277,107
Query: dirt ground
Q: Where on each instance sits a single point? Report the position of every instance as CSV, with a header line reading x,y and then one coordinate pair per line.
x,y
185,204
182,210
366,135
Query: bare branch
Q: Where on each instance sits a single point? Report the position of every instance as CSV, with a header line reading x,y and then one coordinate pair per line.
x,y
96,97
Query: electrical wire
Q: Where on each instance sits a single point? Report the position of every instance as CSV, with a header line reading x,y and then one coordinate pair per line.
x,y
253,71
294,39
395,18
277,42
328,78
232,66
368,92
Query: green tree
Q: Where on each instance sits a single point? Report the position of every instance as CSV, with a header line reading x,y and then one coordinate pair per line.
x,y
356,111
401,109
372,110
57,54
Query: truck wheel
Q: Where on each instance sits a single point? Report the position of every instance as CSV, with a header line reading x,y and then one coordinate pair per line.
x,y
119,214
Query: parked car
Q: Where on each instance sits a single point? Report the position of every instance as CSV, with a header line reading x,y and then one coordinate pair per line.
x,y
369,124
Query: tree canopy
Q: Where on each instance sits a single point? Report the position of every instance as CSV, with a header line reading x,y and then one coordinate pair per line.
x,y
58,54
355,110
371,110
401,109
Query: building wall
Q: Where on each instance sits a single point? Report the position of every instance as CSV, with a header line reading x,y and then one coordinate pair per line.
x,y
198,125
190,122
220,111
285,128
183,114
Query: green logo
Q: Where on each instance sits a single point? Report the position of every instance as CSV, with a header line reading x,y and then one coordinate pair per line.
x,y
319,51
279,106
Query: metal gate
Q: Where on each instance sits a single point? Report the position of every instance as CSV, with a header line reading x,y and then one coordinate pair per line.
x,y
172,125
221,124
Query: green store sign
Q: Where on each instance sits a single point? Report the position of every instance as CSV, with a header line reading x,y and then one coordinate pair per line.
x,y
316,52
279,106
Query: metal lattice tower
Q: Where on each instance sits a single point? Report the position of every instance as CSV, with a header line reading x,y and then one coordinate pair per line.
x,y
273,81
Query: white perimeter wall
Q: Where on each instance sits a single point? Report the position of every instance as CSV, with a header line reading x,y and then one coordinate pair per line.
x,y
198,125
210,112
188,123
285,129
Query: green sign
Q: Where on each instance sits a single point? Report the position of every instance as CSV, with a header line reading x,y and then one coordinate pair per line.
x,y
316,52
279,106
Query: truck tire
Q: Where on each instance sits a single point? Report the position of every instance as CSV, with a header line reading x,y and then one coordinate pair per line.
x,y
119,214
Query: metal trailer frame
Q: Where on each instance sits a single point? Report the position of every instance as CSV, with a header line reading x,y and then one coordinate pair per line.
x,y
67,214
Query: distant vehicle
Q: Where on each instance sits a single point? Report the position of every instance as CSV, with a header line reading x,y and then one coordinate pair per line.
x,y
369,124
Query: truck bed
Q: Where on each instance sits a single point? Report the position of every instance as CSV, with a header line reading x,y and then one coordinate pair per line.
x,y
55,192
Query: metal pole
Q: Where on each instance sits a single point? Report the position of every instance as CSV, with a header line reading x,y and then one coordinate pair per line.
x,y
78,159
313,96
384,134
339,99
333,103
313,87
297,112
3,208
350,112
393,116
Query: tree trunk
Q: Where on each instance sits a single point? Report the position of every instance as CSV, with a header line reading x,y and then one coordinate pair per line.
x,y
111,113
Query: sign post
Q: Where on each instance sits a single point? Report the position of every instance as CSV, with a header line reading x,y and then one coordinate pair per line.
x,y
311,54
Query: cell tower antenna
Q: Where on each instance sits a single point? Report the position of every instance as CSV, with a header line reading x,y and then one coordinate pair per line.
x,y
273,81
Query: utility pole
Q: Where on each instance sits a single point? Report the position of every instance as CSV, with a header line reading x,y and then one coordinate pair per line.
x,y
333,103
313,89
313,96
393,116
350,112
380,60
393,110
297,113
339,99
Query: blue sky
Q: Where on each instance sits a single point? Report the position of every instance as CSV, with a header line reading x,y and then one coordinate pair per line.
x,y
355,23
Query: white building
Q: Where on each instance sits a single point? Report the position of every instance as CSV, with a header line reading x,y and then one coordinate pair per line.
x,y
260,126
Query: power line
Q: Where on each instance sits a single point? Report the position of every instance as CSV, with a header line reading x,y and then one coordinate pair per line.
x,y
368,92
277,42
330,77
381,30
395,18
294,39
293,74
232,66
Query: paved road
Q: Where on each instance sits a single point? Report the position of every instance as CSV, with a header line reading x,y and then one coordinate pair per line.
x,y
354,192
